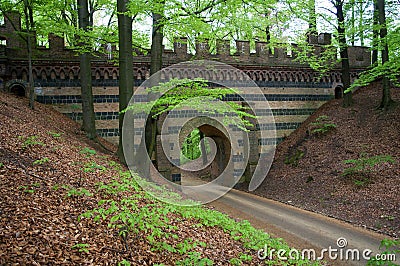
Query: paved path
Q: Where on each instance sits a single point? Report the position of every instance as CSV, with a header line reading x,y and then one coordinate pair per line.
x,y
301,229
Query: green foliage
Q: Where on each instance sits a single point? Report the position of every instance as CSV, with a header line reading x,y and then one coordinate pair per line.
x,y
232,20
363,166
29,188
115,165
187,93
245,257
78,192
322,125
320,62
390,68
55,134
91,167
294,158
194,258
41,161
151,221
88,152
235,261
1,165
124,263
81,247
391,250
191,147
30,141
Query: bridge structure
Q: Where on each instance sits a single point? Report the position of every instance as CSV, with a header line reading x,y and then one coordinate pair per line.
x,y
293,90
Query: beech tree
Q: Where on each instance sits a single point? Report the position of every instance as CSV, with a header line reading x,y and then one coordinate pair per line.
x,y
386,97
344,55
375,33
386,46
88,117
125,65
29,24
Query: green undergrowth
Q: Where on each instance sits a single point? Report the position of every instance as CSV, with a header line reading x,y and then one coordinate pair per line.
x,y
134,213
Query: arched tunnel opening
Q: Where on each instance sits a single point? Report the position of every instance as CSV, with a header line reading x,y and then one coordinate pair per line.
x,y
339,92
18,90
197,152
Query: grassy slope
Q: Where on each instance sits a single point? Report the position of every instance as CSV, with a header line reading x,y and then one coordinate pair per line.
x,y
50,175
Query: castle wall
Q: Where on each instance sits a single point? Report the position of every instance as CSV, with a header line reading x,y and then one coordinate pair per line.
x,y
293,90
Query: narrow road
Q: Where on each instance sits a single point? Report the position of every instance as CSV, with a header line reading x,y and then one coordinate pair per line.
x,y
300,229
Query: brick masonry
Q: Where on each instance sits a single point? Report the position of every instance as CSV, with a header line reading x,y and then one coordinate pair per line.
x,y
293,90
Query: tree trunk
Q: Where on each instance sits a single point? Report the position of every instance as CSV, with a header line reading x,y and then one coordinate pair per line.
x,y
203,148
375,34
156,44
88,116
125,67
386,97
361,22
155,66
268,32
29,23
353,18
344,56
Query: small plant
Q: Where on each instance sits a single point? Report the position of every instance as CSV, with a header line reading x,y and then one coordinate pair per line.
x,y
81,247
1,165
194,258
41,161
93,166
88,152
363,165
388,217
29,188
131,219
26,189
391,248
78,192
360,182
245,257
55,134
114,165
322,125
294,158
235,261
30,141
125,263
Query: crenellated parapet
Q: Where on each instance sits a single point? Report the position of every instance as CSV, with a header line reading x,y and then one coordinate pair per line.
x,y
360,57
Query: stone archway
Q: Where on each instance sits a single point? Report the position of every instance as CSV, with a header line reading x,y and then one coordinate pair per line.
x,y
17,88
223,152
219,156
339,92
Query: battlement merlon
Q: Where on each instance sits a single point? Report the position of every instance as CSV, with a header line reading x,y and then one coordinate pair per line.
x,y
359,57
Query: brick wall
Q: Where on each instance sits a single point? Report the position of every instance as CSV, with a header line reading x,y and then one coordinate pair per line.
x,y
293,90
